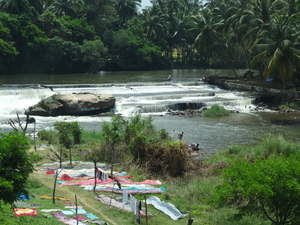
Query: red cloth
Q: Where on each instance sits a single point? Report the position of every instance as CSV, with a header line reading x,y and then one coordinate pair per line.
x,y
50,172
25,212
65,177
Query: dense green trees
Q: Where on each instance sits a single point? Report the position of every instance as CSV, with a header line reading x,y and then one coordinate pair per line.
x,y
16,164
268,188
258,34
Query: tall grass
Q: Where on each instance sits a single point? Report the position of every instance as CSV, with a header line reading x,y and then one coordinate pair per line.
x,y
216,111
270,146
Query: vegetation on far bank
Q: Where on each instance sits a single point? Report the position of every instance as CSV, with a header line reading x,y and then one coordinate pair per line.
x,y
50,36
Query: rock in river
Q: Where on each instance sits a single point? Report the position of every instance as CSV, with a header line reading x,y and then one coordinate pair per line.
x,y
79,104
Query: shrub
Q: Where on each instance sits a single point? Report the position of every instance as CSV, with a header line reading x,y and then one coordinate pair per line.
x,y
50,136
216,111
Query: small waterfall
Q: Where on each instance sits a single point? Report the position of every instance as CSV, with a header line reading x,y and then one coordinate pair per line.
x,y
16,100
160,108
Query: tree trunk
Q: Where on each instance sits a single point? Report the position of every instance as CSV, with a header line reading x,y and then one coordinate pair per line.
x,y
95,164
70,156
112,160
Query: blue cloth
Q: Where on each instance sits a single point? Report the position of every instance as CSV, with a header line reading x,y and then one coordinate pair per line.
x,y
67,212
91,216
79,211
60,182
23,197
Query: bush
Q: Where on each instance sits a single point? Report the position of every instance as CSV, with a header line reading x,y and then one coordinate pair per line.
x,y
49,136
216,111
263,187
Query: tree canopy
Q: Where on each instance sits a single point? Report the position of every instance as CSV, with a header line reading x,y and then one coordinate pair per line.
x,y
50,36
16,164
268,187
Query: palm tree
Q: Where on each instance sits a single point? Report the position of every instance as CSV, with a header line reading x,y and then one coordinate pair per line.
x,y
208,36
127,9
153,21
14,6
279,49
65,7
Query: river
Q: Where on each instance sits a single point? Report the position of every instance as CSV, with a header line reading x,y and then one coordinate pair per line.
x,y
151,93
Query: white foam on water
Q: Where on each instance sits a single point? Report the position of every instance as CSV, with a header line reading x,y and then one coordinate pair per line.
x,y
130,99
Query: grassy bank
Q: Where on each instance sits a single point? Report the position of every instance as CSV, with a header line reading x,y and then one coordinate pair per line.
x,y
191,192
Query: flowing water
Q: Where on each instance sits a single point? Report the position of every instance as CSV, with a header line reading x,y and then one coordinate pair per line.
x,y
151,93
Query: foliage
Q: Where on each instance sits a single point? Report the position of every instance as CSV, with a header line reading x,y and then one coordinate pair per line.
x,y
216,111
263,187
7,55
270,146
50,136
68,133
111,135
77,30
49,36
61,56
16,164
93,55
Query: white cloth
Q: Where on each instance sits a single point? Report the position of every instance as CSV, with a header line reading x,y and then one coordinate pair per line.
x,y
125,197
167,208
133,204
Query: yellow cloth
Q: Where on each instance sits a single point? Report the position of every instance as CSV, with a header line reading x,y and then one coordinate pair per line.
x,y
50,197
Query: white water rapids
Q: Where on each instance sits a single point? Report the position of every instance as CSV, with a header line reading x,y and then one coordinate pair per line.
x,y
155,99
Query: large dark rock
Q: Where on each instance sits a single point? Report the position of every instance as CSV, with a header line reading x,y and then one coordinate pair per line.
x,y
79,104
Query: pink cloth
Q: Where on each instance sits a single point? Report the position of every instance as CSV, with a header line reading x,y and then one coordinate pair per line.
x,y
130,192
109,180
60,216
79,217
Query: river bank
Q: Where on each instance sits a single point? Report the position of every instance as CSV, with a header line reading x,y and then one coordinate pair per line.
x,y
269,94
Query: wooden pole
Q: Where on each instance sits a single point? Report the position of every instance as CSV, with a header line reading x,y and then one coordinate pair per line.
x,y
34,136
54,187
146,210
95,164
76,209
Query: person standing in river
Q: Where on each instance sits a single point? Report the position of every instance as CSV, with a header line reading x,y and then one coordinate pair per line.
x,y
180,136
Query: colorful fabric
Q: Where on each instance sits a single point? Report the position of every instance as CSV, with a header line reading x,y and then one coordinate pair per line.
x,y
91,216
60,216
67,212
109,180
79,217
66,177
24,212
24,197
120,191
79,211
50,172
50,197
60,182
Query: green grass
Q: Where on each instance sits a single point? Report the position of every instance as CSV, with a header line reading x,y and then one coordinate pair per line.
x,y
216,111
191,193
